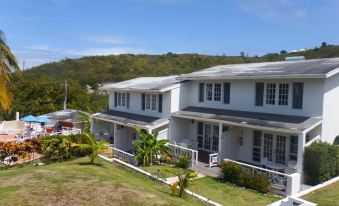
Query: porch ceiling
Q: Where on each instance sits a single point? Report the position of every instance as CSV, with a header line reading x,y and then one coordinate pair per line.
x,y
286,123
130,119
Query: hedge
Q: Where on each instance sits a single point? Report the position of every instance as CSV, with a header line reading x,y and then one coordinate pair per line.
x,y
235,174
321,162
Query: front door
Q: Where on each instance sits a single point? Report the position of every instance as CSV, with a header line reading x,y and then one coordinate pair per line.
x,y
208,137
274,148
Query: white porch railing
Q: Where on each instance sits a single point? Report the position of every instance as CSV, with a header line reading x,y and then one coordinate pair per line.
x,y
178,151
316,138
213,160
124,156
70,131
283,184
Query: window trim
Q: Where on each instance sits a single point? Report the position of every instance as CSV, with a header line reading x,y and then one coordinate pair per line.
x,y
151,97
277,94
213,90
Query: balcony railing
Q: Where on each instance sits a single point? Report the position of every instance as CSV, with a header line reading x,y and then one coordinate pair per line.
x,y
124,156
281,183
178,151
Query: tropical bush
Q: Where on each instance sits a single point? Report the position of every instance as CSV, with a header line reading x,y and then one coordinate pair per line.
x,y
148,147
56,147
235,174
320,162
182,162
91,146
10,152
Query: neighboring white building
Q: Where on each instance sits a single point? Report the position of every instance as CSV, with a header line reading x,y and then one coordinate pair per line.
x,y
261,114
145,102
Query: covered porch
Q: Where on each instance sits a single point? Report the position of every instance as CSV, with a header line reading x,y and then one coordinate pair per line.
x,y
268,141
118,128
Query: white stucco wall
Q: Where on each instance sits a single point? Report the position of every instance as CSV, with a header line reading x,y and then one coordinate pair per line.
x,y
242,97
135,105
330,124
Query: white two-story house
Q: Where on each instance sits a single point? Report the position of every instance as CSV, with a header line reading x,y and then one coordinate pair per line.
x,y
260,114
145,102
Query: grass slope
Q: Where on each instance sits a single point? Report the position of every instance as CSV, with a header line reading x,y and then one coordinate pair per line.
x,y
77,183
227,194
328,196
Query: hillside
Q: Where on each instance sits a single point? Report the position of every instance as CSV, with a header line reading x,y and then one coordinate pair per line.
x,y
93,69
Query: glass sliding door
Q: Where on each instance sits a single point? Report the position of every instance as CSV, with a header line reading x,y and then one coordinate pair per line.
x,y
280,148
268,146
208,136
215,140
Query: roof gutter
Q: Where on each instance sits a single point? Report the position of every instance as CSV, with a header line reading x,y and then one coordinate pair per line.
x,y
273,129
304,76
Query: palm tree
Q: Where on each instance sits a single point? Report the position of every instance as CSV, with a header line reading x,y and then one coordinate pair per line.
x,y
8,64
92,146
183,182
148,146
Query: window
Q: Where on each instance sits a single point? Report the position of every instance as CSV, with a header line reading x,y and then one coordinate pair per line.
x,y
148,101
209,92
270,93
283,94
121,99
217,92
256,146
154,102
151,102
268,146
294,148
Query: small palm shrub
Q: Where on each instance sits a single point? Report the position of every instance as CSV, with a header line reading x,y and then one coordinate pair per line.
x,y
183,182
182,162
235,174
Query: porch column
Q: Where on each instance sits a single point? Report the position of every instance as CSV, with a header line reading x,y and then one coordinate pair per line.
x,y
301,145
115,144
220,138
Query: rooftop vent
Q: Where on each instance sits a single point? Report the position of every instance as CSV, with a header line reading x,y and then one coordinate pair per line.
x,y
296,58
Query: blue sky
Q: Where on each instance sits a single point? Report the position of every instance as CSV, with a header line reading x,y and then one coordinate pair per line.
x,y
41,31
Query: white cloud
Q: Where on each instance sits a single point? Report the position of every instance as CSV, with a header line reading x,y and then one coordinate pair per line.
x,y
105,39
277,10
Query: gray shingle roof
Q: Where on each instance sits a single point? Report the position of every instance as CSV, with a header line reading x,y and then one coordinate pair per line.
x,y
286,123
316,68
126,118
145,83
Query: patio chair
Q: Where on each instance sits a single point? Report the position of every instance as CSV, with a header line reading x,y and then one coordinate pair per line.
x,y
291,167
264,162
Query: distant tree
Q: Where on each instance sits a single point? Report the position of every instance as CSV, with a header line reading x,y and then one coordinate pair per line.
x,y
323,45
283,52
242,54
8,64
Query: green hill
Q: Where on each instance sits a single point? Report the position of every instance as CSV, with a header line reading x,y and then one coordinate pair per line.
x,y
93,69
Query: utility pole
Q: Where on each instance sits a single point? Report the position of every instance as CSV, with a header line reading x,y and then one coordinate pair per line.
x,y
65,102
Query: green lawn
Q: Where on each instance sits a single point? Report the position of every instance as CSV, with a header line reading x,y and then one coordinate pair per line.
x,y
77,183
165,171
227,194
328,196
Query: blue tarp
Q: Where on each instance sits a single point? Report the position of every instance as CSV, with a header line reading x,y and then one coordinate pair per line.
x,y
42,120
29,118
